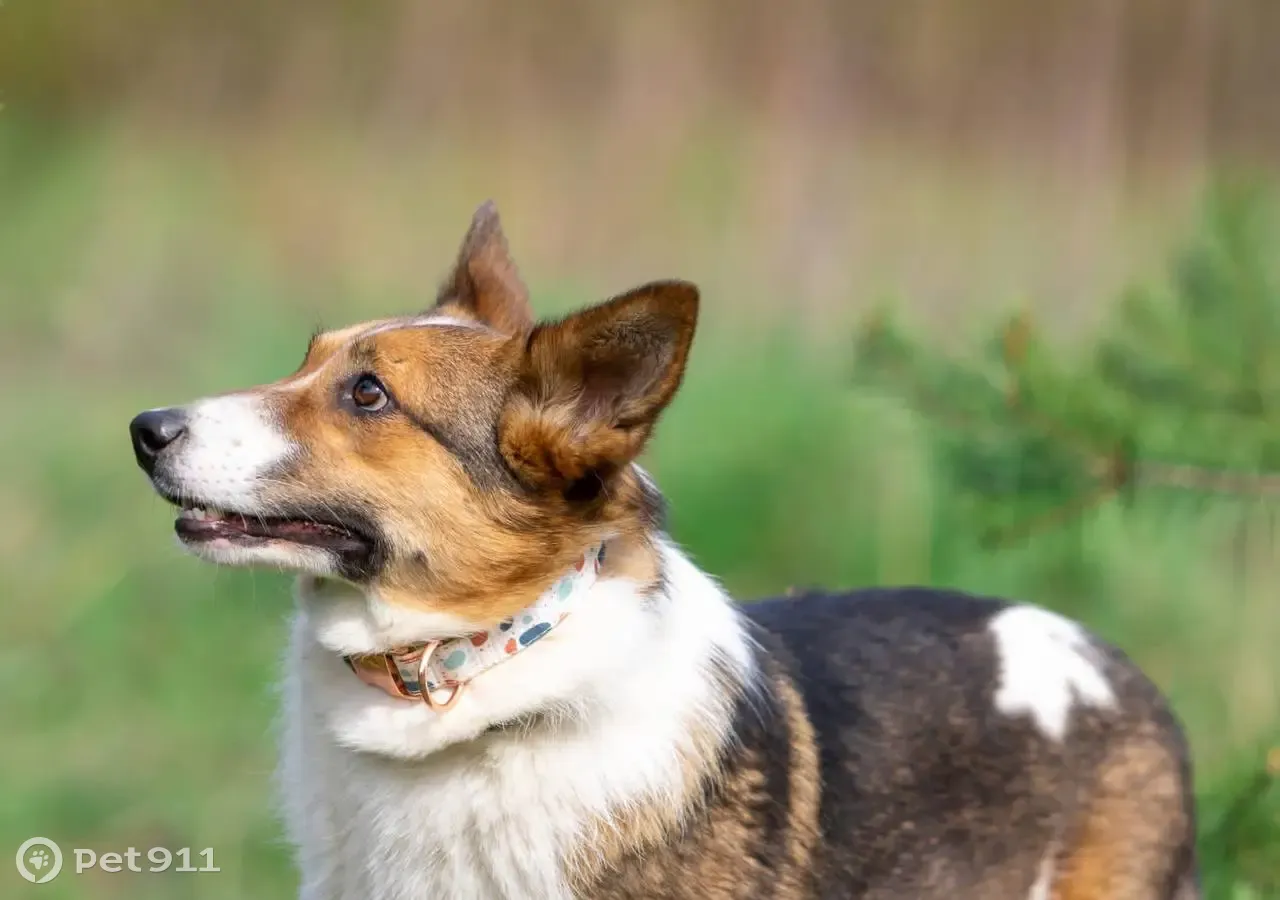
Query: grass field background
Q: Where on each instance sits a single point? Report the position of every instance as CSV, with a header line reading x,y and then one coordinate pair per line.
x,y
182,230
137,683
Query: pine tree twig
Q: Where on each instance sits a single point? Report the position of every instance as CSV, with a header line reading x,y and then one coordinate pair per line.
x,y
1115,470
1059,515
932,406
1216,481
1118,473
1016,342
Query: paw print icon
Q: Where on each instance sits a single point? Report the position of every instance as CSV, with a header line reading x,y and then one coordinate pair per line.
x,y
39,860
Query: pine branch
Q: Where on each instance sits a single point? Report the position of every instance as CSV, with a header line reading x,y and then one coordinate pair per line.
x,y
1176,397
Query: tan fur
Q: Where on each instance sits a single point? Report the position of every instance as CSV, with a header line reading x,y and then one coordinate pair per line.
x,y
707,854
806,789
485,284
1133,820
635,558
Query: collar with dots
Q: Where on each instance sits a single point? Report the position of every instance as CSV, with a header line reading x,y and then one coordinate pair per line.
x,y
447,666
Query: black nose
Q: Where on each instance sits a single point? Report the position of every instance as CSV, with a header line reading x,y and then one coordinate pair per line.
x,y
154,430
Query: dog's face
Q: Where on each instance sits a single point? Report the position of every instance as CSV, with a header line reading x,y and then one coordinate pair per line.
x,y
455,460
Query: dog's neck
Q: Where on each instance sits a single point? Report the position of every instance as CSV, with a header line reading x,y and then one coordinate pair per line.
x,y
623,642
424,671
624,710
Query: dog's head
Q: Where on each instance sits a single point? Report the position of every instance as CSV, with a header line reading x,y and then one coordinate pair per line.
x,y
466,456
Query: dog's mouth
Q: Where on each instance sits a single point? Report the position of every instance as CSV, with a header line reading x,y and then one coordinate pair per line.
x,y
200,525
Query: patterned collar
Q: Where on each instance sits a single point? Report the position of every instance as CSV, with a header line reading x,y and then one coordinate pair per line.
x,y
450,665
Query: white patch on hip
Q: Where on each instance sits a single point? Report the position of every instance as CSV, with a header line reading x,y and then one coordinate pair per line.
x,y
230,443
1047,663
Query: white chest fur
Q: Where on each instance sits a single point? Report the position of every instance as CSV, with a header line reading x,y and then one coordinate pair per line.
x,y
384,798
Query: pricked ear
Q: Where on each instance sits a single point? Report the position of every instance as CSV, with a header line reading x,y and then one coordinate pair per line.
x,y
593,385
485,284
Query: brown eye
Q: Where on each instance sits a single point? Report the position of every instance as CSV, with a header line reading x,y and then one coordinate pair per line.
x,y
368,394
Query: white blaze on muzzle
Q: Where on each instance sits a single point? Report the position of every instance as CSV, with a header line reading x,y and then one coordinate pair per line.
x,y
231,445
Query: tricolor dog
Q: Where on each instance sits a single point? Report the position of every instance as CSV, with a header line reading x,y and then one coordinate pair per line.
x,y
504,680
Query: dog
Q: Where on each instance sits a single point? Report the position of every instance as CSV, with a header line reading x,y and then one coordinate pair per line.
x,y
505,680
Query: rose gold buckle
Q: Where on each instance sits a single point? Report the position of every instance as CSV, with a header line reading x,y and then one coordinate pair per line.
x,y
432,703
378,670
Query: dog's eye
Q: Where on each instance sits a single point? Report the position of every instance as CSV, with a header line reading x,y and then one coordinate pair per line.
x,y
368,394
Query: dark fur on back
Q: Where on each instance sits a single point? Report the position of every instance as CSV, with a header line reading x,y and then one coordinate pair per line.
x,y
876,766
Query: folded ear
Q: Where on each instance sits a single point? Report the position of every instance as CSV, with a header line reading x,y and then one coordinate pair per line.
x,y
593,385
485,284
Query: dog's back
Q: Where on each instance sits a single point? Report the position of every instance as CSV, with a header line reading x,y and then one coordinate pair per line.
x,y
918,743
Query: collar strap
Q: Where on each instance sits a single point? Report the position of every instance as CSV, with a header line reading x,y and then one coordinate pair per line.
x,y
426,670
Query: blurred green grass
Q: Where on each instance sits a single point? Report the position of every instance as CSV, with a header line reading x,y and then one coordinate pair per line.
x,y
137,683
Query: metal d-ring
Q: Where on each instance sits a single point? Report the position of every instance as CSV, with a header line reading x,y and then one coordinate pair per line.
x,y
423,663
